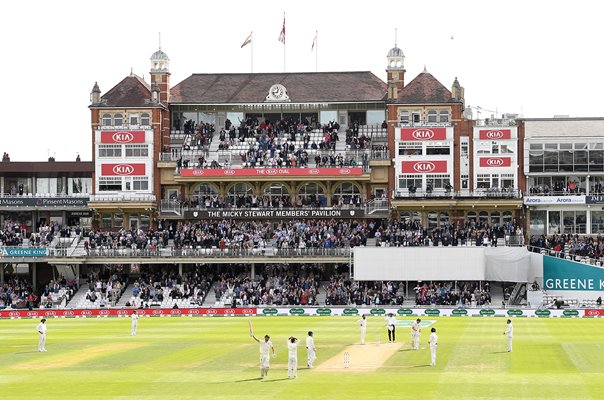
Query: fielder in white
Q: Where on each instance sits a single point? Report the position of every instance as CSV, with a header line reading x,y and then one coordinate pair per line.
x,y
134,317
363,324
311,350
509,331
41,328
433,341
292,359
391,325
416,331
265,349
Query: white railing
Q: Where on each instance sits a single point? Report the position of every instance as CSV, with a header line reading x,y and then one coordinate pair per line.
x,y
123,197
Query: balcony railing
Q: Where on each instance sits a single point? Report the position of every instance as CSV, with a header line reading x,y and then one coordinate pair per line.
x,y
116,197
409,124
377,205
460,194
204,253
496,122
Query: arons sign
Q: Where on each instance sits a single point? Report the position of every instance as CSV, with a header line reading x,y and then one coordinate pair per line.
x,y
424,133
123,169
494,134
424,167
118,137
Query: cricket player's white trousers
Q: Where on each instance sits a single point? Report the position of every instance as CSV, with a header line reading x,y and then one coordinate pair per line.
x,y
134,325
363,332
312,356
510,344
415,341
433,354
42,342
292,367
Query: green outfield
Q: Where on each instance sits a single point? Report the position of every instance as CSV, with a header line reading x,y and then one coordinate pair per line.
x,y
214,358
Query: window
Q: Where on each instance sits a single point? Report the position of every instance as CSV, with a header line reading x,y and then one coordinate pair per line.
x,y
106,120
110,150
118,220
465,149
137,150
145,120
438,148
483,181
444,116
432,116
410,148
106,220
140,183
404,117
134,119
439,181
406,181
416,118
110,184
118,119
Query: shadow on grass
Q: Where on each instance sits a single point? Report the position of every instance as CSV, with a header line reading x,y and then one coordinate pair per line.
x,y
406,350
276,380
238,381
28,352
421,366
500,352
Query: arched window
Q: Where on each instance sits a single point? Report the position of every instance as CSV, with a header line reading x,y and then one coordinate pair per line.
x,y
495,218
106,120
507,217
145,120
239,195
118,119
346,193
410,216
276,195
432,116
312,194
203,192
471,217
483,217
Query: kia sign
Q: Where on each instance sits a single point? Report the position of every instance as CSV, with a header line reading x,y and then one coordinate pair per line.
x,y
427,133
495,162
270,172
123,137
424,167
124,169
494,134
270,213
127,312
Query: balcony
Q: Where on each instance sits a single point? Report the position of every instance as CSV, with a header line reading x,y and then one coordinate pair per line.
x,y
409,124
113,197
443,194
496,122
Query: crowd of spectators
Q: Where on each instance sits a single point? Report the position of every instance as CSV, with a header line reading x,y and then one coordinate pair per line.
x,y
105,287
570,245
276,285
58,292
464,294
562,188
272,201
410,233
126,239
343,291
17,292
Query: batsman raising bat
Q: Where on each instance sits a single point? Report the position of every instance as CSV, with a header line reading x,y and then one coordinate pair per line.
x,y
266,346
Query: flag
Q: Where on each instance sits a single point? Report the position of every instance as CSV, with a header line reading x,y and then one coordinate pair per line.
x,y
282,34
247,41
314,41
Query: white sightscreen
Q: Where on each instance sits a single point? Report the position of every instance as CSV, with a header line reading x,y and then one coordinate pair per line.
x,y
419,263
507,264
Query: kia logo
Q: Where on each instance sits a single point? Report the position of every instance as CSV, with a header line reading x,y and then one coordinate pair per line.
x,y
494,162
313,171
122,137
344,171
122,312
422,134
247,311
198,172
104,312
229,311
141,312
272,172
123,169
68,312
229,172
50,313
193,311
494,134
13,314
86,312
174,311
425,166
157,312
31,313
210,311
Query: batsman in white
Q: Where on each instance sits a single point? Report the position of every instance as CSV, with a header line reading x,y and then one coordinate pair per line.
x,y
134,317
41,328
433,342
292,359
416,331
311,350
266,346
363,324
509,331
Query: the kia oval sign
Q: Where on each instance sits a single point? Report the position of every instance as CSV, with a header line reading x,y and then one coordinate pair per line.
x,y
494,162
424,167
428,133
123,169
494,134
123,137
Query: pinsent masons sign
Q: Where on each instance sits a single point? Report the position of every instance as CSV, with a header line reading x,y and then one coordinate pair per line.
x,y
270,172
43,201
276,213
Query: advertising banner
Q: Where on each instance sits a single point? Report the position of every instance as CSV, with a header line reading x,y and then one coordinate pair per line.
x,y
270,172
20,201
123,137
494,134
123,169
276,213
545,200
23,252
102,312
495,162
424,133
561,274
424,167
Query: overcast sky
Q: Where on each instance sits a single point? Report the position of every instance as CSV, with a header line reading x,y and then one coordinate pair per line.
x,y
535,58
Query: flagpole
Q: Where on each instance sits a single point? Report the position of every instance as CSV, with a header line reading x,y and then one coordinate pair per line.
x,y
316,51
252,52
284,43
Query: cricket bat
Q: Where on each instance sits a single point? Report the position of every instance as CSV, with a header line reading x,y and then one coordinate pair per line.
x,y
251,329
